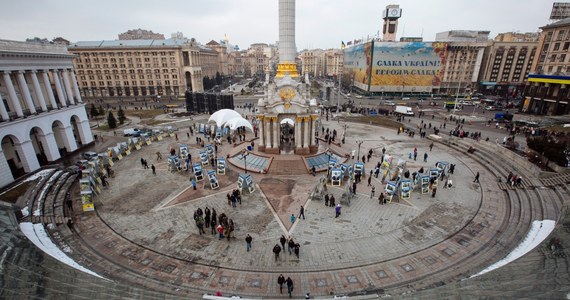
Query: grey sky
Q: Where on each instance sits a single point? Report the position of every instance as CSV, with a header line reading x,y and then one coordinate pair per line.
x,y
320,23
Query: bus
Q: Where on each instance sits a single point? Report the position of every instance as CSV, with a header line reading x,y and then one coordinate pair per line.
x,y
451,105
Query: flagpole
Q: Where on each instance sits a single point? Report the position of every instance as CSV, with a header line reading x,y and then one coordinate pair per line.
x,y
339,82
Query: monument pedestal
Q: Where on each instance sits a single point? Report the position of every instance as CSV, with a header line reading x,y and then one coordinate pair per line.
x,y
272,150
261,148
302,151
314,149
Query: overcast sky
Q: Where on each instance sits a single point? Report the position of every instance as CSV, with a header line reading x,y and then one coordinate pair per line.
x,y
320,23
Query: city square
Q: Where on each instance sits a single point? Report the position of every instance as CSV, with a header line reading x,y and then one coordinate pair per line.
x,y
403,169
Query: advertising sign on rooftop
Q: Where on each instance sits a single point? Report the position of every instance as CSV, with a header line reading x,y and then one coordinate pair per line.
x,y
408,67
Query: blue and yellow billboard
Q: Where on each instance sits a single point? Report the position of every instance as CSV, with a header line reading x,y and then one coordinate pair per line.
x,y
408,67
357,63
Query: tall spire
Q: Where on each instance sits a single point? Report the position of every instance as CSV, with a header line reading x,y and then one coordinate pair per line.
x,y
287,48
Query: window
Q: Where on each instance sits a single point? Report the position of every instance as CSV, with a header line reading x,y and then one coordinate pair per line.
x,y
556,47
548,36
566,45
562,57
560,35
552,57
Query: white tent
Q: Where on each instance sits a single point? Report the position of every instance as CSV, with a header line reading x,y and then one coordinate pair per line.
x,y
234,123
223,115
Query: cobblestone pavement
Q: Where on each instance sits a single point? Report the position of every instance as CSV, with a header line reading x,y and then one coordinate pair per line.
x,y
144,221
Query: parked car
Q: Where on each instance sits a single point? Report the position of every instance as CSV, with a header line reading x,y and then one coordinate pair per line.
x,y
89,155
358,96
490,107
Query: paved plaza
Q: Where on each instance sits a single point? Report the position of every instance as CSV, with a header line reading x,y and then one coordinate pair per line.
x,y
142,218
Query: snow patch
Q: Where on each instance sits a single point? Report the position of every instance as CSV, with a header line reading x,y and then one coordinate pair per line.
x,y
25,211
38,210
39,174
37,235
538,232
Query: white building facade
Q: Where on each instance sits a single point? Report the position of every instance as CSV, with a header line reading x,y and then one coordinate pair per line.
x,y
42,115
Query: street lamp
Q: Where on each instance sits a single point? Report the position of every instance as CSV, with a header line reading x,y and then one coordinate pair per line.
x,y
244,154
358,155
461,59
329,163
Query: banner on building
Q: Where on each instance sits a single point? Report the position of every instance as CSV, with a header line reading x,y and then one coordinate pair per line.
x,y
407,67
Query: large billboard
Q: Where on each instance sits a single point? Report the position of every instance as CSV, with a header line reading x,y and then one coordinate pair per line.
x,y
409,67
356,65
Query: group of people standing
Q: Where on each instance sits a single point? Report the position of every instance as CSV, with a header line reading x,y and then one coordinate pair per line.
x,y
218,224
234,198
292,247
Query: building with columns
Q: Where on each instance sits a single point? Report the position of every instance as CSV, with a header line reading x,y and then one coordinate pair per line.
x,y
41,111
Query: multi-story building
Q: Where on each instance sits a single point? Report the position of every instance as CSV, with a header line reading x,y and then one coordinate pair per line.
x,y
257,60
517,37
222,51
142,67
547,89
312,62
507,65
463,36
463,63
140,34
42,115
333,62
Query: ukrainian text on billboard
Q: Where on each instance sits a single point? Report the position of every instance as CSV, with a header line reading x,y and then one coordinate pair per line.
x,y
411,67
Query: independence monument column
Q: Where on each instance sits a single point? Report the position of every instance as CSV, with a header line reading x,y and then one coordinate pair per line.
x,y
287,48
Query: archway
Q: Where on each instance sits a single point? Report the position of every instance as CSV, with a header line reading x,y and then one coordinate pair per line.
x,y
188,77
287,136
60,137
13,158
77,133
37,136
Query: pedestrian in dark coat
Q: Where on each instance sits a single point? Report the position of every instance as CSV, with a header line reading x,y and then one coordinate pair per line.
x,y
276,251
290,245
248,240
280,282
283,240
289,282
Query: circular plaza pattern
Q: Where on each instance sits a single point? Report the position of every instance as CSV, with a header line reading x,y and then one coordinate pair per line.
x,y
143,229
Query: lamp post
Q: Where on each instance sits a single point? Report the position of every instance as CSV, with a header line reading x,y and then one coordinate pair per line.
x,y
461,59
329,163
358,155
244,155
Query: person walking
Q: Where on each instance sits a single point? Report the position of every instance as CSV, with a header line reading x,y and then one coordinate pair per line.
x,y
296,249
337,210
153,169
425,157
381,198
289,282
276,251
302,212
283,240
290,245
354,187
370,180
372,192
248,240
430,146
292,218
327,200
280,282
476,178
200,224
207,215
